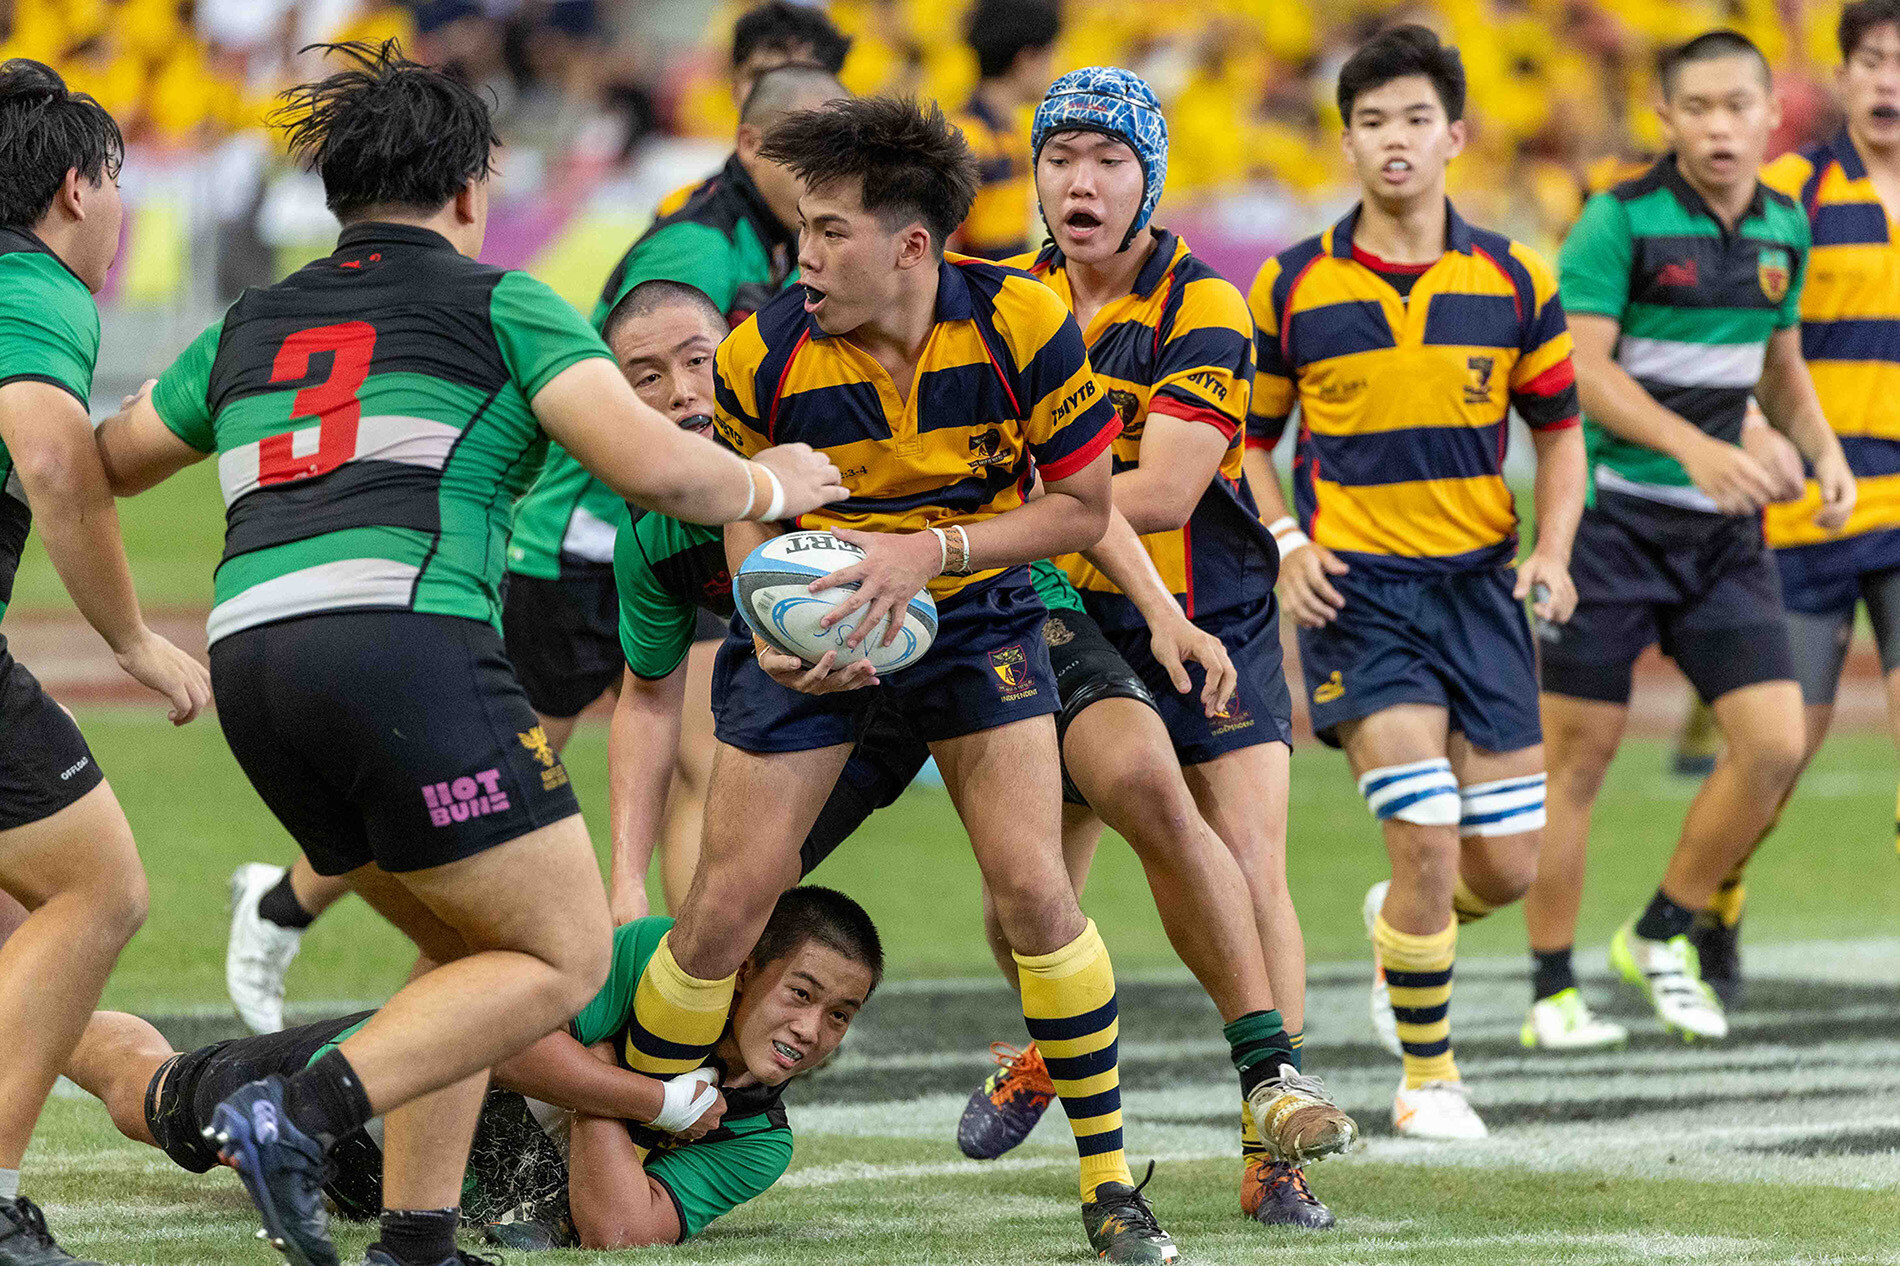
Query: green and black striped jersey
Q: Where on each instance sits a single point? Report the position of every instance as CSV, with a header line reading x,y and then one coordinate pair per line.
x,y
1696,302
49,332
371,418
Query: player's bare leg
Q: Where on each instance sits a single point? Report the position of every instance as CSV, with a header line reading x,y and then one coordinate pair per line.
x,y
1580,739
692,773
1081,835
114,1062
77,872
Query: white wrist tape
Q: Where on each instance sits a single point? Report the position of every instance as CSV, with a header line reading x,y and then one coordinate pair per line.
x,y
776,510
1286,534
687,1098
943,548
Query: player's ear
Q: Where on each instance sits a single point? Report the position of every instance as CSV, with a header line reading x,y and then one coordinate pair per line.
x,y
71,197
1458,130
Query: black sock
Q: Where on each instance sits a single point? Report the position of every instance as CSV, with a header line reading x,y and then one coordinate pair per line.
x,y
1664,919
280,906
420,1237
326,1101
1260,1047
1551,973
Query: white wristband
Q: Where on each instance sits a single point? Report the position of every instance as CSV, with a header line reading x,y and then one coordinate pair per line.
x,y
1287,535
775,511
687,1098
943,548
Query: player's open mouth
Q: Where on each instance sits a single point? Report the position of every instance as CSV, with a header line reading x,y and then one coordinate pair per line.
x,y
1886,113
1396,169
697,422
813,297
1081,223
790,1056
1722,158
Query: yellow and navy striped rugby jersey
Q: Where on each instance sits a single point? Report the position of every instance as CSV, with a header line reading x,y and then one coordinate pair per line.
x,y
1181,343
1004,389
1850,335
998,224
1404,402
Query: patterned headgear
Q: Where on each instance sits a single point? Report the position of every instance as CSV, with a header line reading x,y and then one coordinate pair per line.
x,y
1117,103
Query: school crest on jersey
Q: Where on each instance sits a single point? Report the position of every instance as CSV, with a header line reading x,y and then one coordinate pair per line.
x,y
1013,679
1774,270
1478,378
1126,405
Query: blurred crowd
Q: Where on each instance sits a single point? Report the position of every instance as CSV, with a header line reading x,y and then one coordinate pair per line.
x,y
1557,86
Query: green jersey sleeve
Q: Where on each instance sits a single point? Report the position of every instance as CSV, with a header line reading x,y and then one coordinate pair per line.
x,y
1053,587
656,626
539,333
710,1179
182,396
49,325
1594,266
607,1014
692,254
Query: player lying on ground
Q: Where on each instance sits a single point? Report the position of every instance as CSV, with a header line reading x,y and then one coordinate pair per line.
x,y
1113,744
731,239
1198,786
360,677
1407,337
66,852
594,1156
1684,289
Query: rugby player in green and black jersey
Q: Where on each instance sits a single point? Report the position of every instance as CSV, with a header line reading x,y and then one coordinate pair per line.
x,y
572,1148
66,853
558,612
374,416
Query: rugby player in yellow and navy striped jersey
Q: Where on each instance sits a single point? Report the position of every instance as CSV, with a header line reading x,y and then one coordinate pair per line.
x,y
944,385
1414,645
1849,188
1171,342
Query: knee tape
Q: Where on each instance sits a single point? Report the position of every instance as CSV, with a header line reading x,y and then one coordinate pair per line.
x,y
1423,792
1509,806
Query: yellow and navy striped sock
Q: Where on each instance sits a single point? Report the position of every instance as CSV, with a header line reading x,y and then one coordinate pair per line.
x,y
1418,972
676,1018
1069,1005
1468,905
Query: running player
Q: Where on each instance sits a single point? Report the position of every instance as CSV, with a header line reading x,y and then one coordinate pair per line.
x,y
1014,41
1406,336
66,852
558,628
354,646
597,1157
942,384
1849,187
1172,343
1684,288
1112,741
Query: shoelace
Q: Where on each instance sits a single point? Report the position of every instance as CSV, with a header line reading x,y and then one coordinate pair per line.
x,y
1301,1083
1294,1177
32,1223
1133,1208
1005,1055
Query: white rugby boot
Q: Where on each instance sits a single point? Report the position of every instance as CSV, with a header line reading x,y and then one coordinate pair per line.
x,y
1564,1022
259,953
1384,1023
1436,1110
1670,976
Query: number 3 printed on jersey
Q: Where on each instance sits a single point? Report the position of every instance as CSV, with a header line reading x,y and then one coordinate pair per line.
x,y
332,402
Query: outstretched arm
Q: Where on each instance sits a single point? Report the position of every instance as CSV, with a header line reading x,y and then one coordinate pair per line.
x,y
614,1202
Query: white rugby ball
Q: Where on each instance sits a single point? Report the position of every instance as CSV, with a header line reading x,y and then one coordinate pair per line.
x,y
773,593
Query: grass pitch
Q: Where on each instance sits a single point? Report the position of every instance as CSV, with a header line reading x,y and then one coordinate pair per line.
x,y
1780,1145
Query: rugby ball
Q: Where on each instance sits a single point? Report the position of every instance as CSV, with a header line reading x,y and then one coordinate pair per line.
x,y
773,593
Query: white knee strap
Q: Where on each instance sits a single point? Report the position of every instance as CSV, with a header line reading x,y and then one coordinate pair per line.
x,y
1509,806
1423,792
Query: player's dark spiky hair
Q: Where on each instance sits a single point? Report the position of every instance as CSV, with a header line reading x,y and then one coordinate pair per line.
x,y
650,296
1398,53
824,915
788,28
47,130
1707,47
387,131
998,30
910,163
1859,19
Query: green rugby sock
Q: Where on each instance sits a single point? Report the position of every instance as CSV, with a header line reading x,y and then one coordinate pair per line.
x,y
1259,1045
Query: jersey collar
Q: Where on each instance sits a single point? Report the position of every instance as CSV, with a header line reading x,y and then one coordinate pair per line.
x,y
1693,202
953,294
30,241
1457,232
752,202
1167,248
382,232
1842,147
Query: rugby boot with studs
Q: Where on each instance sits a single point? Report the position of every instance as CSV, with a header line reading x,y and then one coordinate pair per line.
x,y
282,1168
25,1241
1006,1107
1121,1225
